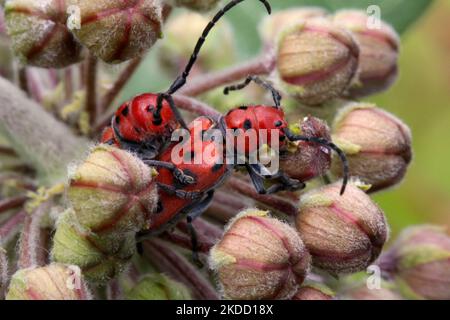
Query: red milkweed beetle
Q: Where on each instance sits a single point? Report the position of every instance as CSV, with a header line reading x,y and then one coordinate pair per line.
x,y
145,123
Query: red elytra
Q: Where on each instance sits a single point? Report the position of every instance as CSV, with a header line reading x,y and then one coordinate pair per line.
x,y
258,118
209,173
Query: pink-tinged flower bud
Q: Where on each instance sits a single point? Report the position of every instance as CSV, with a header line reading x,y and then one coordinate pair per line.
x,y
313,291
259,257
112,191
316,60
344,234
158,287
277,22
379,47
419,261
305,161
39,33
361,291
116,30
183,31
100,257
198,5
53,282
377,144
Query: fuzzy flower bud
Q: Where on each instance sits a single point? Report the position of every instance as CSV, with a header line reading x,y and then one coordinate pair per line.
x,y
313,291
182,32
259,257
344,234
386,291
100,258
316,60
112,191
116,30
377,144
39,33
419,261
379,47
277,22
307,160
198,5
53,282
158,287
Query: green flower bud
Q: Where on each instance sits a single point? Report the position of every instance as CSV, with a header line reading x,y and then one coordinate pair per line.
x,y
277,22
39,33
259,257
377,144
115,30
420,262
316,60
305,161
182,31
101,258
379,49
198,5
112,191
313,291
158,287
344,234
53,282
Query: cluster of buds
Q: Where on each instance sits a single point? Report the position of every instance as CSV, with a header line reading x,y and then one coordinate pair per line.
x,y
305,161
53,282
344,234
377,144
259,257
108,207
419,262
158,287
321,57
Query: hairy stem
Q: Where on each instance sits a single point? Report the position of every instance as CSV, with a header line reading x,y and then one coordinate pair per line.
x,y
166,259
38,138
11,227
260,66
194,106
23,79
91,88
121,81
4,272
12,203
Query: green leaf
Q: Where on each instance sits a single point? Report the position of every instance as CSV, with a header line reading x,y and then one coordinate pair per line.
x,y
399,13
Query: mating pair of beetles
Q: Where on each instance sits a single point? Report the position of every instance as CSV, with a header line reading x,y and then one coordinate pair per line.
x,y
144,126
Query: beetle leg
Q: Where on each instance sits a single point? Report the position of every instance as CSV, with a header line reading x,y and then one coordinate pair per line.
x,y
258,178
179,193
182,178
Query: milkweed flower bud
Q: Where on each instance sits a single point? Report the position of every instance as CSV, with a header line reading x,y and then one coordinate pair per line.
x,y
39,33
313,291
308,160
198,5
316,60
277,22
379,49
259,257
112,191
100,257
52,282
420,262
115,30
386,291
158,287
377,144
183,30
344,234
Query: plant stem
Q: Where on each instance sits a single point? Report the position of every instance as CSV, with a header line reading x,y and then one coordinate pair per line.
x,y
167,260
4,272
91,88
11,227
275,202
113,290
7,151
194,106
121,81
12,203
262,65
68,83
38,138
23,80
32,250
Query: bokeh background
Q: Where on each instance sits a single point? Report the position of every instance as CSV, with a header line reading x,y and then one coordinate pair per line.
x,y
421,96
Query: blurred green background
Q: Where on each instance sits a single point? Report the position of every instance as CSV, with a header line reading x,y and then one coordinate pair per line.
x,y
421,96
